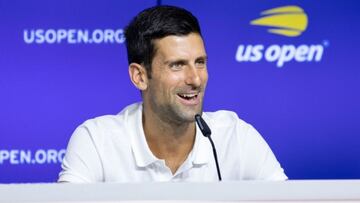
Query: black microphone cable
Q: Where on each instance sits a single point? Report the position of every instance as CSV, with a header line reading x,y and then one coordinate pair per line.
x,y
207,132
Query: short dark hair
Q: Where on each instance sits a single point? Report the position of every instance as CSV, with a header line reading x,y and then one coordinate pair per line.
x,y
155,23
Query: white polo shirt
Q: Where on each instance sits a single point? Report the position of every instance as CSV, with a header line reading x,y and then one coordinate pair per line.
x,y
113,148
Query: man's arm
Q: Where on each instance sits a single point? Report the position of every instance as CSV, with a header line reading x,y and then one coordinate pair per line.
x,y
81,163
260,162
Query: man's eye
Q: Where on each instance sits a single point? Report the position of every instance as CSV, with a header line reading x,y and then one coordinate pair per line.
x,y
176,65
201,63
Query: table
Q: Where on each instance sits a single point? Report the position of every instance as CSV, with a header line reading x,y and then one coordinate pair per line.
x,y
239,191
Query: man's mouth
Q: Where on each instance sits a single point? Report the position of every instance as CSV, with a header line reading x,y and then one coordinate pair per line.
x,y
188,96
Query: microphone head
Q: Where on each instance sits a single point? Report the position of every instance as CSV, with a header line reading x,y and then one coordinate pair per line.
x,y
202,125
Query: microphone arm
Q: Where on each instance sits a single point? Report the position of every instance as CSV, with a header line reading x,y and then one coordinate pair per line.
x,y
205,130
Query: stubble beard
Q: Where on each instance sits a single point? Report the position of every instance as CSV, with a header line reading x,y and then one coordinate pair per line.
x,y
177,114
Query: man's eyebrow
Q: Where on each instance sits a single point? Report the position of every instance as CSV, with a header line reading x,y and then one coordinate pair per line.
x,y
184,61
202,58
175,61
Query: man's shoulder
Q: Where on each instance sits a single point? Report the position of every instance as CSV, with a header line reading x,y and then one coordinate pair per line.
x,y
225,123
115,121
223,118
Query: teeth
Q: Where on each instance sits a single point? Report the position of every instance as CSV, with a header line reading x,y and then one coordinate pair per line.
x,y
188,95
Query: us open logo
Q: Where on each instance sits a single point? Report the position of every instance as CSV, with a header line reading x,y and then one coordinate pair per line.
x,y
286,21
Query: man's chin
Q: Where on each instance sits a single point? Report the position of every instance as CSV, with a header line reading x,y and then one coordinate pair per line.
x,y
185,114
189,116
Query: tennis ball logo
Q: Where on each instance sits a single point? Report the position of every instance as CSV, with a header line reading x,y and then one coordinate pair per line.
x,y
290,21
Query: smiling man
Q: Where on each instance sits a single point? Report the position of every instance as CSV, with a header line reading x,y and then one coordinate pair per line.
x,y
157,139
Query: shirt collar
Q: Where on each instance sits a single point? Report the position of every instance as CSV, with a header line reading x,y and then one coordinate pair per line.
x,y
142,153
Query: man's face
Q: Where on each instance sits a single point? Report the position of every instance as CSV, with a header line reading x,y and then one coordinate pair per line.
x,y
178,78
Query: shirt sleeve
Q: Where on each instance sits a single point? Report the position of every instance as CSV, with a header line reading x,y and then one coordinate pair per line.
x,y
81,163
260,162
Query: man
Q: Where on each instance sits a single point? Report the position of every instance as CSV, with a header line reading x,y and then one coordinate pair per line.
x,y
157,140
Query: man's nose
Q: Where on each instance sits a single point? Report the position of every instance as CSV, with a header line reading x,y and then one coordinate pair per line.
x,y
192,76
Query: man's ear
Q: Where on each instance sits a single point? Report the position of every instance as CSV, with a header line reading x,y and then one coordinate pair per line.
x,y
138,76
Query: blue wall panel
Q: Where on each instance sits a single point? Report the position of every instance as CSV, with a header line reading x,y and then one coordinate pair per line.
x,y
62,62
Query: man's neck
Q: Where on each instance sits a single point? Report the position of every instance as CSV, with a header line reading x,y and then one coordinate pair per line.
x,y
169,141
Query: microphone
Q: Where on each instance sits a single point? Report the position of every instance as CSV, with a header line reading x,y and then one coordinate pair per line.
x,y
205,130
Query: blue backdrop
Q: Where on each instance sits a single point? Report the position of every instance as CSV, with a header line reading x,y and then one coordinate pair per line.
x,y
62,62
